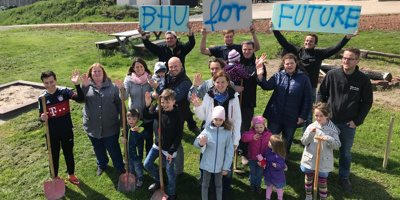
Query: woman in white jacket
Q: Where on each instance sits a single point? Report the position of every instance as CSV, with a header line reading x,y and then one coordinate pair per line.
x,y
222,94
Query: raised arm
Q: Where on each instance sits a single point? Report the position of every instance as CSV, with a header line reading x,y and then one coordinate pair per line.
x,y
289,47
255,39
203,49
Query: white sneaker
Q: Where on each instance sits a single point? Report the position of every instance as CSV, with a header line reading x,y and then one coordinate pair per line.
x,y
139,183
286,168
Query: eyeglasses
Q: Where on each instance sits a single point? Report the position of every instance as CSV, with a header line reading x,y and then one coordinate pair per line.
x,y
349,59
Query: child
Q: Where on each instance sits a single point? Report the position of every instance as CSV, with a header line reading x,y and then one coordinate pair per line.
x,y
136,135
59,119
234,69
171,136
159,73
257,137
216,145
274,175
330,137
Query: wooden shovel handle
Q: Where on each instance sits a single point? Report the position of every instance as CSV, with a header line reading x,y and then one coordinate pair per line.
x,y
318,137
124,126
317,166
159,145
48,139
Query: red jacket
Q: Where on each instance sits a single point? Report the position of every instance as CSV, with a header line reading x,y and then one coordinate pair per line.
x,y
256,146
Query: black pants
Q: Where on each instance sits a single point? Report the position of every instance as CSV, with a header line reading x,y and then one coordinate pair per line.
x,y
65,140
149,142
247,116
188,117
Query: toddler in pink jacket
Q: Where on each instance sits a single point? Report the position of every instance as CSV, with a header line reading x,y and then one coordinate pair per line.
x,y
258,138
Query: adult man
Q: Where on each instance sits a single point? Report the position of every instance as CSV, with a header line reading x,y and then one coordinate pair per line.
x,y
172,48
177,80
249,90
348,93
223,51
311,58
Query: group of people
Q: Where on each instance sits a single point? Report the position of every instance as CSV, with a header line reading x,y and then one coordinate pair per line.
x,y
225,103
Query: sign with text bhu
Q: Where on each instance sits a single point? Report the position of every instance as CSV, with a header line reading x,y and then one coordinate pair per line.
x,y
226,14
164,18
316,18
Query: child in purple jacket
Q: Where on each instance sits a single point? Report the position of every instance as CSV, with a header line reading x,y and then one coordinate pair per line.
x,y
274,175
234,68
257,137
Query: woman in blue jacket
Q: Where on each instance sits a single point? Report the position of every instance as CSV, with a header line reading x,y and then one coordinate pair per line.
x,y
291,100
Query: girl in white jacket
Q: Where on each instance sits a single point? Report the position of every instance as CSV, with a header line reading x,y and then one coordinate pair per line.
x,y
330,140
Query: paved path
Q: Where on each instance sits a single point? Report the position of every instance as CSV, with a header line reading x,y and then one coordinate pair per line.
x,y
264,10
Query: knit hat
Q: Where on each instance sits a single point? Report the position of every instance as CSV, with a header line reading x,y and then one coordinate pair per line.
x,y
233,56
258,120
170,32
219,112
160,67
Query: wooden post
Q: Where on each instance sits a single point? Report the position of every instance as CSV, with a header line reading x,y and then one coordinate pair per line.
x,y
385,159
98,52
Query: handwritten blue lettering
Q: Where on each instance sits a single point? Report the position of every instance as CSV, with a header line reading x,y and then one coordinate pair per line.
x,y
340,10
327,21
222,15
313,7
304,13
184,16
349,16
228,16
145,14
284,16
161,16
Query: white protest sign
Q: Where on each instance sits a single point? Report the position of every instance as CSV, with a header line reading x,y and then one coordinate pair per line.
x,y
316,18
164,18
226,14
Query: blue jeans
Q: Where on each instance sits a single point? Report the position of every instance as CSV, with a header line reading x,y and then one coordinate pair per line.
x,y
256,173
149,165
308,121
287,133
137,167
110,144
346,138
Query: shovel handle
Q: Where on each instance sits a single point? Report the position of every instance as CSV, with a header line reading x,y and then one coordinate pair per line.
x,y
124,127
318,137
159,145
317,165
48,139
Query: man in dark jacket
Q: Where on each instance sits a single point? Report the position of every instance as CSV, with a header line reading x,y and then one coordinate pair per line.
x,y
172,48
348,93
311,58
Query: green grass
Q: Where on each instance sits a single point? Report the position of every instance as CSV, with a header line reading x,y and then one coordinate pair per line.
x,y
24,160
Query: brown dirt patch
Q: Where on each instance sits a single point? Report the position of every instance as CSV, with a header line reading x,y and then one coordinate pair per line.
x,y
17,95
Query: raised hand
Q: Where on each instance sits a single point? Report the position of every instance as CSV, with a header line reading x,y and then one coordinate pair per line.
x,y
204,31
85,80
119,83
270,24
195,100
260,61
197,80
260,71
352,35
140,30
202,140
154,84
75,77
256,136
147,99
252,28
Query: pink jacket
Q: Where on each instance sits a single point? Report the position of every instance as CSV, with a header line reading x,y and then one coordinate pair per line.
x,y
256,146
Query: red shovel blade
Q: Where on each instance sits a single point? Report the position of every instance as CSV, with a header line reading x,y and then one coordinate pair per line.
x,y
159,195
127,182
54,189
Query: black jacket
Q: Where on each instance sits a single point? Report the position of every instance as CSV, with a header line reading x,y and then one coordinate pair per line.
x,y
310,59
164,53
349,97
171,128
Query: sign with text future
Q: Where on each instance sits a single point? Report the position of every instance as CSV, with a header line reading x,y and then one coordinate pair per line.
x,y
226,14
164,18
316,18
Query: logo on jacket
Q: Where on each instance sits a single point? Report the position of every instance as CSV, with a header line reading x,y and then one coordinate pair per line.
x,y
60,98
354,88
179,52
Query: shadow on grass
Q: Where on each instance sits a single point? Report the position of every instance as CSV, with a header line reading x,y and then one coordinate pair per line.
x,y
88,191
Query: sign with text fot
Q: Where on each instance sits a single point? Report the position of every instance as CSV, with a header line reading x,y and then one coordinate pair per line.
x,y
164,18
227,14
316,18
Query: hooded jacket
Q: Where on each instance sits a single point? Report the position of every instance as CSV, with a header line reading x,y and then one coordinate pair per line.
x,y
218,151
256,146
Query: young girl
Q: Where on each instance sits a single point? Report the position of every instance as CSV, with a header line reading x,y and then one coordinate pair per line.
x,y
215,142
257,137
330,137
274,175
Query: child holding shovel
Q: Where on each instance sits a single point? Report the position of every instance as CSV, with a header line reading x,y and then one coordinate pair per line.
x,y
329,133
171,136
59,119
136,136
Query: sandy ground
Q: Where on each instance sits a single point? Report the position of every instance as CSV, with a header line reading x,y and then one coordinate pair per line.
x,y
17,95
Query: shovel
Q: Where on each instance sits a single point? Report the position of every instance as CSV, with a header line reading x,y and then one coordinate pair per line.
x,y
159,194
319,138
127,181
54,189
238,171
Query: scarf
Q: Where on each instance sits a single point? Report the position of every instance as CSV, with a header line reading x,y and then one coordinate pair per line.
x,y
221,98
139,80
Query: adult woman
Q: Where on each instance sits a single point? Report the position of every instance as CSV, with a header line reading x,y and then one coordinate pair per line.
x,y
221,94
100,116
291,100
135,87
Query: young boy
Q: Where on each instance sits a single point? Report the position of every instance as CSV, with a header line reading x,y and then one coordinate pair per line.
x,y
136,135
59,119
159,73
171,136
